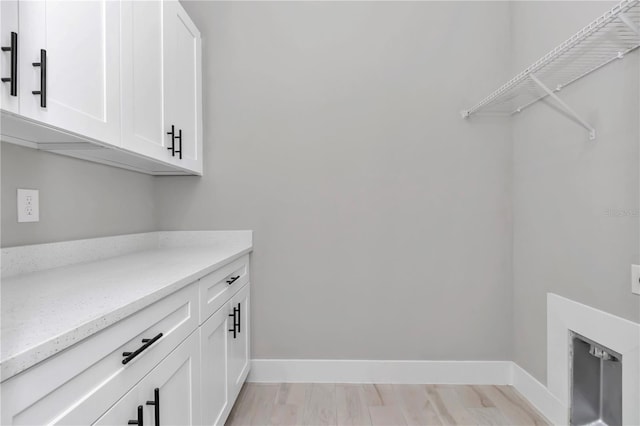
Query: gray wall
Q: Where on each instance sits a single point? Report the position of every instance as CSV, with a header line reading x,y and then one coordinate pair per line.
x,y
78,199
575,201
382,219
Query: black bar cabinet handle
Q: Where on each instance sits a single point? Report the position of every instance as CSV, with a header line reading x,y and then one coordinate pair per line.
x,y
14,64
156,404
172,148
235,324
239,317
139,421
43,78
147,342
179,137
232,280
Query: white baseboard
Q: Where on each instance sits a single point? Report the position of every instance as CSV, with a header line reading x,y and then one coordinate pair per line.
x,y
366,371
411,372
539,396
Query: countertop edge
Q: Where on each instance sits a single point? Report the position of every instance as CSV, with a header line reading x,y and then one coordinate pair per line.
x,y
16,364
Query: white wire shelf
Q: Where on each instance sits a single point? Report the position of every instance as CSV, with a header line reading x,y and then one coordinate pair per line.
x,y
609,38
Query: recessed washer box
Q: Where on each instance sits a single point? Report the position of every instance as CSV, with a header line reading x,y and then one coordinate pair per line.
x,y
596,384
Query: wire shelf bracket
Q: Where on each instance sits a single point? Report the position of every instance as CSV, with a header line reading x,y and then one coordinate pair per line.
x,y
567,108
626,19
608,38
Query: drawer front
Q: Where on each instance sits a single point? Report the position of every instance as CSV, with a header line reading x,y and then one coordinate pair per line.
x,y
82,382
217,287
174,385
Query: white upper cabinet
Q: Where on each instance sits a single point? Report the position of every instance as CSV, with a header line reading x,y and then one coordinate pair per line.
x,y
70,56
116,75
161,83
142,78
9,55
183,87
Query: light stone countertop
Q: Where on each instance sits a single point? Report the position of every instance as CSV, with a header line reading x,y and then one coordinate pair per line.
x,y
46,311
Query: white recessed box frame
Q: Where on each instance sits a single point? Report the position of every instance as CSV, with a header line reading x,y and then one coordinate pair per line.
x,y
618,334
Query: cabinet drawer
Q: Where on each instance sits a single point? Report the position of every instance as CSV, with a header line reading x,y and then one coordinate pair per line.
x,y
217,287
82,382
173,387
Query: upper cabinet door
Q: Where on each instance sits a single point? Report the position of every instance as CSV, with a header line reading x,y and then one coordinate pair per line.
x,y
142,78
9,55
183,86
75,48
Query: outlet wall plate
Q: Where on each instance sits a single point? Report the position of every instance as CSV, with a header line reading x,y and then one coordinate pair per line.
x,y
635,279
28,205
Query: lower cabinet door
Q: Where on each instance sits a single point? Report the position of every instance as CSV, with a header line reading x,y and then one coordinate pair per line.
x,y
168,395
213,339
239,344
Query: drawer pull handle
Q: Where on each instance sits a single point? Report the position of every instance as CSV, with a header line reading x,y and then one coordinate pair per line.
x,y
232,280
139,421
147,342
14,64
234,330
156,405
43,78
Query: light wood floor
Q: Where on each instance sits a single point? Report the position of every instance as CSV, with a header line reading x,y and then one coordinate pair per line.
x,y
359,405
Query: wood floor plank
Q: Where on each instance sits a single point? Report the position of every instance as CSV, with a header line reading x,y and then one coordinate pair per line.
x,y
521,402
386,415
286,415
488,416
397,405
372,397
241,413
263,403
283,393
439,405
416,406
293,393
454,405
473,397
388,395
512,408
320,408
350,406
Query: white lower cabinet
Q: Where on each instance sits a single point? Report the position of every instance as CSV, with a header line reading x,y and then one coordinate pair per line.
x,y
238,348
78,385
168,395
164,365
225,357
215,395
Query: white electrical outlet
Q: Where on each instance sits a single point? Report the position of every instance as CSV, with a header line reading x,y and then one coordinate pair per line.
x,y
28,205
635,279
